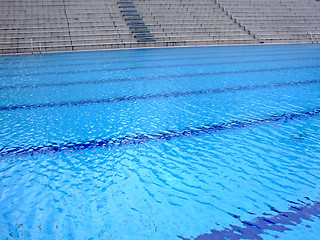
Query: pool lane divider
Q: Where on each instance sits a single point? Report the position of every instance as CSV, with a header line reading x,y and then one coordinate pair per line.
x,y
280,222
189,75
142,138
155,96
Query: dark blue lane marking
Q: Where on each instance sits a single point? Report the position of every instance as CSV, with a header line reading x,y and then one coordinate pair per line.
x,y
280,222
103,81
203,56
108,69
153,96
141,138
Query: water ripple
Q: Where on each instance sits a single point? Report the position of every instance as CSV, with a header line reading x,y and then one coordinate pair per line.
x,y
188,165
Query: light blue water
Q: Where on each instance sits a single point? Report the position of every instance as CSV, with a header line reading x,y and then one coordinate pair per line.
x,y
112,144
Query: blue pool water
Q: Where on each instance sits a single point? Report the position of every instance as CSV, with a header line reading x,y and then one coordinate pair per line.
x,y
176,143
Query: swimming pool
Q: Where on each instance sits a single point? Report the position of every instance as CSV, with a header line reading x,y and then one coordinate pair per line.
x,y
174,143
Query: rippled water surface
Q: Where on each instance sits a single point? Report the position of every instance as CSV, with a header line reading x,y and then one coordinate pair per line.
x,y
175,143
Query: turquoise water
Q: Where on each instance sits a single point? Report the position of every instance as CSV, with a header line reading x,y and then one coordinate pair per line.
x,y
175,143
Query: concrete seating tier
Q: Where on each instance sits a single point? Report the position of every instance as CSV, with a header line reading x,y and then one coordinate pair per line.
x,y
70,25
190,20
276,21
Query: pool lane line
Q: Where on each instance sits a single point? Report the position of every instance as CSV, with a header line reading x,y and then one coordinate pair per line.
x,y
171,53
142,138
107,69
281,222
155,96
104,81
203,56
